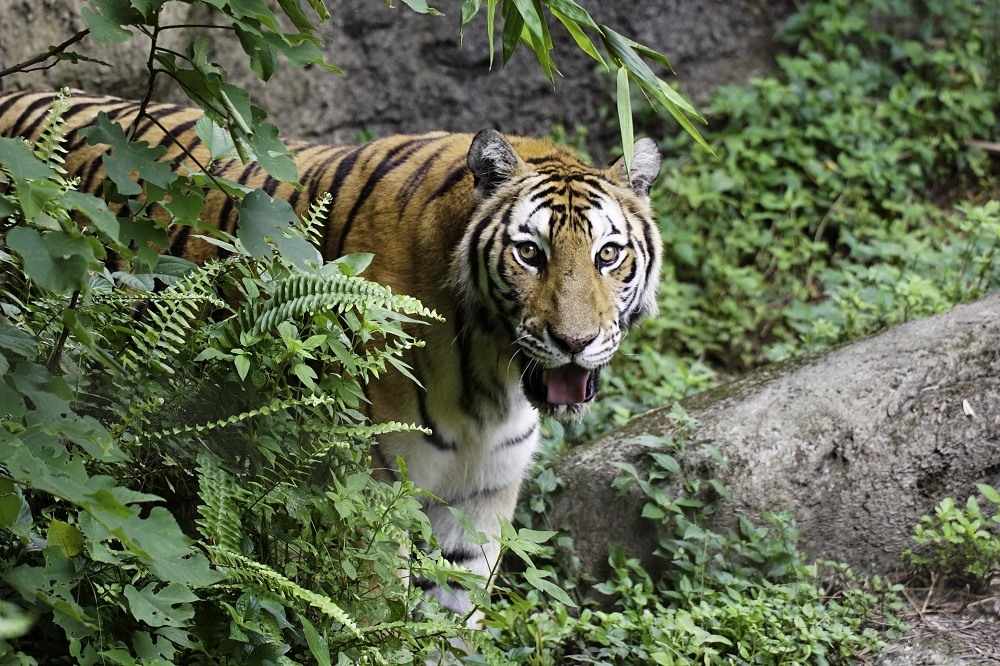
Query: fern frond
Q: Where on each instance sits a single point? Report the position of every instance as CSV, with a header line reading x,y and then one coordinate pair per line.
x,y
244,570
314,222
171,316
49,148
301,293
220,521
275,406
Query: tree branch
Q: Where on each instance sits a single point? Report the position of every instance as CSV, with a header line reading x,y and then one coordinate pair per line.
x,y
53,51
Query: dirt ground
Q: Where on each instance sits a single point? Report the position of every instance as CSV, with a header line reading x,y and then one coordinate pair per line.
x,y
956,631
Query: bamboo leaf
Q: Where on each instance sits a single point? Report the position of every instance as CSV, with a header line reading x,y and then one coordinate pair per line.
x,y
624,99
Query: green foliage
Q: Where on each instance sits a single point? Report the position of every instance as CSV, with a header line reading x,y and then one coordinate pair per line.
x,y
524,22
958,544
845,194
744,596
185,472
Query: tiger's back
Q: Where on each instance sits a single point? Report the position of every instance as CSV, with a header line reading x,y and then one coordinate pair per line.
x,y
538,262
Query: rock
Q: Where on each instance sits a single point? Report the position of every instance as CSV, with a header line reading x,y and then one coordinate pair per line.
x,y
858,442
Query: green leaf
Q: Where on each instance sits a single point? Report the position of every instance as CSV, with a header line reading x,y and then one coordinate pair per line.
x,y
106,24
469,10
66,537
10,504
989,492
293,10
272,155
622,51
625,119
581,39
128,160
15,340
536,578
531,19
491,11
420,6
572,11
264,220
215,138
513,23
96,210
54,260
263,56
318,645
471,533
242,363
353,264
169,607
21,162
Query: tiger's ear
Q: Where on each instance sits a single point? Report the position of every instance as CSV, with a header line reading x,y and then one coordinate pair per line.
x,y
492,161
645,167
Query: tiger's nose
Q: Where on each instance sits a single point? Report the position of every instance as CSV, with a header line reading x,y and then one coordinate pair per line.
x,y
572,344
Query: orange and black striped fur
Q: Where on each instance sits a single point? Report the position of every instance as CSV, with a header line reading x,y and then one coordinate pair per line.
x,y
538,261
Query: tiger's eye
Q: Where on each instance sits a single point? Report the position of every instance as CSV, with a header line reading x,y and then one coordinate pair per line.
x,y
608,254
529,253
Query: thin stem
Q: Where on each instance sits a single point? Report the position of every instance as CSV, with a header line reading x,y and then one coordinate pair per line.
x,y
53,51
53,363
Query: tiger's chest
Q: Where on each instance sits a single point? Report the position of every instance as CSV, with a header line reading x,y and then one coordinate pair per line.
x,y
483,431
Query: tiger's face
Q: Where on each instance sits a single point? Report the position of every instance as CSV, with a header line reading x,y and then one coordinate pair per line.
x,y
563,257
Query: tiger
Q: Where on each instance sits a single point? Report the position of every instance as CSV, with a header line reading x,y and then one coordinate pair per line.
x,y
538,262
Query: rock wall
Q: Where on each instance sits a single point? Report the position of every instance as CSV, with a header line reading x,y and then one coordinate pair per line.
x,y
407,72
858,443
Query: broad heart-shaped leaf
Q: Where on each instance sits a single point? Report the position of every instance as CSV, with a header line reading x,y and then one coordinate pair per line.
x,y
264,219
129,159
169,607
106,26
272,155
147,236
65,536
55,260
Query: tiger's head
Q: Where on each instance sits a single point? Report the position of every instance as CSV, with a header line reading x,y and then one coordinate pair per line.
x,y
561,257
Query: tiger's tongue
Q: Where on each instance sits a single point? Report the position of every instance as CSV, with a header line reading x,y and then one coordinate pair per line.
x,y
566,385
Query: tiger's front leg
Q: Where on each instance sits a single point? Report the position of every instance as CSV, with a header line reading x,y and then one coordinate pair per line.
x,y
484,511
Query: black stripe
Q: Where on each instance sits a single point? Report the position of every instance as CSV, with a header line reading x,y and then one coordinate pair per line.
x,y
454,178
434,439
417,177
270,184
339,176
174,136
393,158
16,126
517,440
8,101
461,554
313,174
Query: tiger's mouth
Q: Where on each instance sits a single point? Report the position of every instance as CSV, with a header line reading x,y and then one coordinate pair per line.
x,y
565,388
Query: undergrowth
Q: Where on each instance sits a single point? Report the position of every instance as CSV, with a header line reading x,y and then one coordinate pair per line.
x,y
745,595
